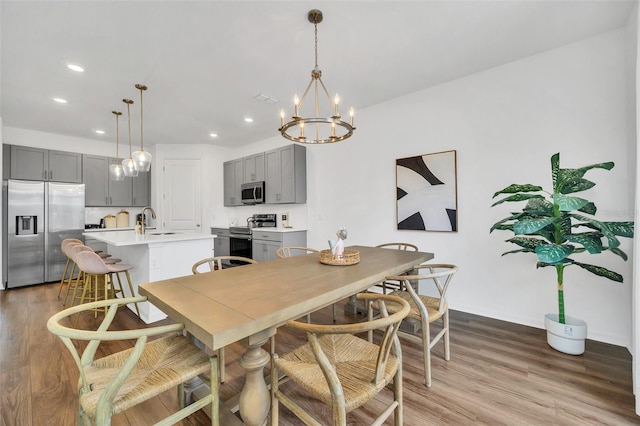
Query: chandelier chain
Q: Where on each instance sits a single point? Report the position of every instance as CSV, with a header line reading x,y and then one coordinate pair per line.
x,y
316,43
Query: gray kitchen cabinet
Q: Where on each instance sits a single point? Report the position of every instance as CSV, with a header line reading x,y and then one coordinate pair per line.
x,y
286,175
233,176
41,164
221,243
266,242
253,168
141,189
101,191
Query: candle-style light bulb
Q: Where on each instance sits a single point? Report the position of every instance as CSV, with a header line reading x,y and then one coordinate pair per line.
x,y
282,117
336,101
351,112
296,102
302,129
333,129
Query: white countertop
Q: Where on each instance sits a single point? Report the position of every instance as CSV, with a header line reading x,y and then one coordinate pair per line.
x,y
130,238
278,229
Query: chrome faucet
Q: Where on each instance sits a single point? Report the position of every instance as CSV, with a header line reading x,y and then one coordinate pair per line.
x,y
153,216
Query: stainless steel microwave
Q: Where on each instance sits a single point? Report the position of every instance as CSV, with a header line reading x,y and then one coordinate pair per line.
x,y
252,193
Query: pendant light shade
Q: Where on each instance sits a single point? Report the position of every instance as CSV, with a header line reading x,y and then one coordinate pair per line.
x,y
127,165
116,172
141,159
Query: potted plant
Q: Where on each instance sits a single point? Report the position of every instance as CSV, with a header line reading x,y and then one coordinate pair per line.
x,y
556,226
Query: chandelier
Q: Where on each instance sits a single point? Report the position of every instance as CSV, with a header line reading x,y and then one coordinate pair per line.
x,y
329,129
127,165
142,158
115,170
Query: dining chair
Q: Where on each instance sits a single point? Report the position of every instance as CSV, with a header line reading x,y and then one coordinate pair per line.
x,y
427,309
341,370
213,264
288,251
121,380
390,284
219,262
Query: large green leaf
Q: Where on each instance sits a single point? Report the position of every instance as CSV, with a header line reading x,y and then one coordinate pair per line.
x,y
589,240
539,207
518,251
600,271
589,208
555,170
527,242
553,253
612,241
620,253
531,226
567,204
622,229
517,197
515,188
566,177
576,185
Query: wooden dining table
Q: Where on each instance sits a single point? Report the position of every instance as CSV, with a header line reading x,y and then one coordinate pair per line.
x,y
249,303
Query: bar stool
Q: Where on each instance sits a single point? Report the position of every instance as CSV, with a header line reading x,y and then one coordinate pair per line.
x,y
96,272
70,247
66,243
96,276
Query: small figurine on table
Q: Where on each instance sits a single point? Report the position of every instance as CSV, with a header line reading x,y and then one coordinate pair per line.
x,y
339,247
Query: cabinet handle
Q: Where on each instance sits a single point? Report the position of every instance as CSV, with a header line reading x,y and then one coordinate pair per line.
x,y
50,174
44,175
106,200
134,201
110,200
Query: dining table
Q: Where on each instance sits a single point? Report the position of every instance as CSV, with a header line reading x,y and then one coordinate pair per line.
x,y
249,303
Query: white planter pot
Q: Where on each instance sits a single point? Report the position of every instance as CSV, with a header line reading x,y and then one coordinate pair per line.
x,y
568,338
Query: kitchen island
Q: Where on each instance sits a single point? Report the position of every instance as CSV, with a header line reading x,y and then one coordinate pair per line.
x,y
156,255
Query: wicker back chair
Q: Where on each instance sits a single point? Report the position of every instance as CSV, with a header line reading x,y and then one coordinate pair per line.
x,y
334,356
390,285
212,264
217,262
427,309
288,251
113,384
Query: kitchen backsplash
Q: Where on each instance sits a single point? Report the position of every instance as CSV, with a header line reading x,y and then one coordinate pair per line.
x,y
92,215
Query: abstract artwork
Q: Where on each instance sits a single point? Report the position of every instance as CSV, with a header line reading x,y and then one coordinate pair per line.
x,y
426,192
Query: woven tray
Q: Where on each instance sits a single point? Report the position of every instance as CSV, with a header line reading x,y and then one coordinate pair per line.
x,y
349,257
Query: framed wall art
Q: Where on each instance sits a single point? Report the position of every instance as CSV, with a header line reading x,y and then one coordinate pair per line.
x,y
426,192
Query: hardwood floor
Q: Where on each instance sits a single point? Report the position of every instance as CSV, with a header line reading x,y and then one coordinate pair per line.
x,y
499,374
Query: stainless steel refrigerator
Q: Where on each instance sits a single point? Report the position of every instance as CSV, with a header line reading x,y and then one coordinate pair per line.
x,y
37,217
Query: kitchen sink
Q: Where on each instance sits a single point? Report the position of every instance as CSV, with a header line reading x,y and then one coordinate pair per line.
x,y
160,233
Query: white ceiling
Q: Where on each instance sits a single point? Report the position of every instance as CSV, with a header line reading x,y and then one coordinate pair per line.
x,y
205,61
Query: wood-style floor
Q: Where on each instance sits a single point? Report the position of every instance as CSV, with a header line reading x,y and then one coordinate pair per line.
x,y
499,374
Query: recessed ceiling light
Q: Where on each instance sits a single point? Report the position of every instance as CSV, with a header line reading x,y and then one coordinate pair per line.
x,y
213,135
76,68
248,120
100,132
60,100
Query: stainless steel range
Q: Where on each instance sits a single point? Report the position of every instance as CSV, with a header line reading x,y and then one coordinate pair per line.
x,y
240,243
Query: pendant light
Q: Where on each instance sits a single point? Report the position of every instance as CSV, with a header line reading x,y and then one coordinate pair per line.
x,y
127,165
116,172
142,158
328,129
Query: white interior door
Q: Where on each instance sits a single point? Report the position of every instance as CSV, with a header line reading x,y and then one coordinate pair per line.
x,y
181,198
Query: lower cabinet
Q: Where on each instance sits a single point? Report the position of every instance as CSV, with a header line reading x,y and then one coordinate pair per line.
x,y
266,242
221,243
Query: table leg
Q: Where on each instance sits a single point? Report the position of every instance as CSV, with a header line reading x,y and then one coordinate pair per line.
x,y
254,398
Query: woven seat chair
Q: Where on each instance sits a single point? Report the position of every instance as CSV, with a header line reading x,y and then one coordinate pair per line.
x,y
341,370
119,381
390,284
217,263
288,251
427,309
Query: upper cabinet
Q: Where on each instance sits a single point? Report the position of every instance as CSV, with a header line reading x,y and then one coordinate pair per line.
x,y
101,191
233,179
41,164
284,171
253,168
286,175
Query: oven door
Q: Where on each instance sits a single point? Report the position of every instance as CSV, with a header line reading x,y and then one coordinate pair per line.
x,y
240,246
